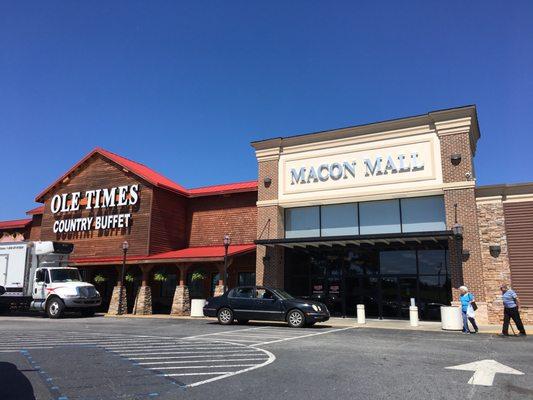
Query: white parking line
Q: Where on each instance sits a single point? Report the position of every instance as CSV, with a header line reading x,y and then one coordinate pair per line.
x,y
204,366
200,361
300,337
198,373
242,353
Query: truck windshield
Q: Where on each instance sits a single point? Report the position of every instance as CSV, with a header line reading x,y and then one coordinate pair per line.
x,y
65,275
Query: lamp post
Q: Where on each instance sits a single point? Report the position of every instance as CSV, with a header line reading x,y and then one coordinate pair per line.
x,y
125,247
227,242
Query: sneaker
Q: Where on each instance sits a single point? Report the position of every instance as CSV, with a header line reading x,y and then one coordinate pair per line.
x,y
503,334
522,334
466,333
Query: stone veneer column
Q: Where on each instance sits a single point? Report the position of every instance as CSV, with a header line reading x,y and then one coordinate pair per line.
x,y
219,288
496,267
181,304
270,264
119,300
459,183
143,300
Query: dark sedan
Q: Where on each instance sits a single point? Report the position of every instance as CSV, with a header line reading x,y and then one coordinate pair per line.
x,y
244,303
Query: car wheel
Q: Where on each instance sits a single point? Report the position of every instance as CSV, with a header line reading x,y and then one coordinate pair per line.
x,y
88,312
55,308
225,316
242,321
296,319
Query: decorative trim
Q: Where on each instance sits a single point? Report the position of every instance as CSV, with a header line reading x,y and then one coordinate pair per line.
x,y
459,185
518,198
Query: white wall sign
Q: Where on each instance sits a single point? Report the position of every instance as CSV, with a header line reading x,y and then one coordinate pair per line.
x,y
331,172
119,196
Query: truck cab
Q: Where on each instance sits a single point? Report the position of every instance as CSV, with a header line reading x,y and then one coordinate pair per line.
x,y
56,289
37,275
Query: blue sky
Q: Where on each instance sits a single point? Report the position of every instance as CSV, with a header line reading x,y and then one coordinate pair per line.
x,y
184,87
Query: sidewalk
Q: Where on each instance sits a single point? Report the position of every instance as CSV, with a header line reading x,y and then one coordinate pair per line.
x,y
424,326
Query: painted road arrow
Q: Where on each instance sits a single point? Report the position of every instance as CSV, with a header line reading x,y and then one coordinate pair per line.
x,y
485,370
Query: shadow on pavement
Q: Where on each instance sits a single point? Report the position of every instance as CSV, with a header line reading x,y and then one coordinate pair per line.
x,y
14,386
35,314
274,324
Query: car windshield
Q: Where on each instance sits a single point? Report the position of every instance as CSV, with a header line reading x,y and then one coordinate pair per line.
x,y
65,275
282,294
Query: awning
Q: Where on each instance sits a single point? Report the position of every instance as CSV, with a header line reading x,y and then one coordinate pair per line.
x,y
190,254
361,240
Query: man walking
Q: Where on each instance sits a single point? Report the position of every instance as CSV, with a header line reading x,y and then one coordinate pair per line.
x,y
510,310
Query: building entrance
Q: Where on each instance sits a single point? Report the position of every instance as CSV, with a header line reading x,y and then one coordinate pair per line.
x,y
384,279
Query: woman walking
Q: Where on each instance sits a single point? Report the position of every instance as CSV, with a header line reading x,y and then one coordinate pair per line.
x,y
467,307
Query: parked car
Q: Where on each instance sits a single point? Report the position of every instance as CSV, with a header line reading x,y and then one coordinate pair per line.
x,y
244,303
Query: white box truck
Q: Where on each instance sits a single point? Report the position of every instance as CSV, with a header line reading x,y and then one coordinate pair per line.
x,y
36,276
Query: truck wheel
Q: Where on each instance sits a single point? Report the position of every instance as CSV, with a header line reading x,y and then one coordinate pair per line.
x,y
55,308
88,312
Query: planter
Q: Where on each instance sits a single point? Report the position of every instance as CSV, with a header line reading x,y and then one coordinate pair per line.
x,y
451,318
197,307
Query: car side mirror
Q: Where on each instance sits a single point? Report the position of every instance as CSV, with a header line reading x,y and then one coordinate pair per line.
x,y
2,290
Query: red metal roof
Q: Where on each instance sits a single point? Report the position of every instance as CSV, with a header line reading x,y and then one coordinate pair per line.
x,y
15,224
225,188
155,178
191,253
35,211
204,252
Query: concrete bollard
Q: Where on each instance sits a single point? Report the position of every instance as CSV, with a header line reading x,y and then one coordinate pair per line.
x,y
413,315
361,319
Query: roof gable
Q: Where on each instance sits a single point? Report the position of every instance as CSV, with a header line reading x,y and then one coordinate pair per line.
x,y
138,169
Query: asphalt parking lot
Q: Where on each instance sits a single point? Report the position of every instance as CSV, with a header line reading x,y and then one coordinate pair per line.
x,y
123,358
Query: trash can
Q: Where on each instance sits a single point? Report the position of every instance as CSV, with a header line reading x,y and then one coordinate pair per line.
x,y
197,307
451,318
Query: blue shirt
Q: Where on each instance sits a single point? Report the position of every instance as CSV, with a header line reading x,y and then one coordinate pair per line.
x,y
509,299
465,300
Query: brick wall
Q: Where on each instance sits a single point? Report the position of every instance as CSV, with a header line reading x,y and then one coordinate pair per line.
x,y
270,260
35,227
211,217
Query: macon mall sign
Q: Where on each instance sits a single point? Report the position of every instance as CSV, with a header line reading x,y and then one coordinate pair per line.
x,y
347,169
119,196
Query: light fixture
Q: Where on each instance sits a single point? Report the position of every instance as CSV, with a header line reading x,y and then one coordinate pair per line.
x,y
455,159
466,254
457,228
495,250
267,181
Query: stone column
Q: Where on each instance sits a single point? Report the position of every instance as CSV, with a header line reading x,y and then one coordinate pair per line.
x,y
219,288
119,300
181,304
143,300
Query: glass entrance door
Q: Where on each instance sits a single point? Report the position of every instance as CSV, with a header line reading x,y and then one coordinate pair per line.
x,y
396,294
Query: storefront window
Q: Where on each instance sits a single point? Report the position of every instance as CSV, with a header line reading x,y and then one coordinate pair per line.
x,y
397,262
432,262
246,279
339,220
379,217
302,222
423,214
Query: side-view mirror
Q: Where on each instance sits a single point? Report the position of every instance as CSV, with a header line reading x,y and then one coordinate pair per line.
x,y
2,290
